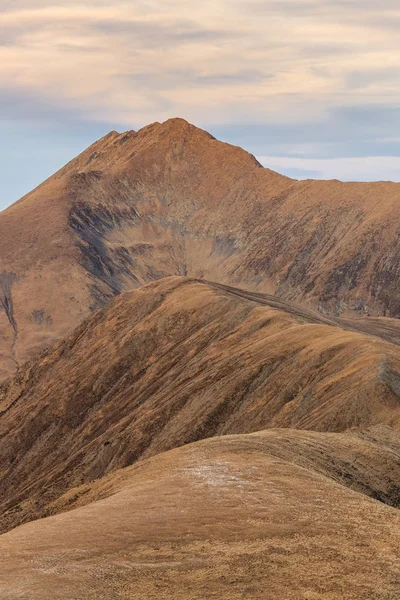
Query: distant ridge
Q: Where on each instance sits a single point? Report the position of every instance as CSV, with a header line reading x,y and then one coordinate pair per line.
x,y
171,200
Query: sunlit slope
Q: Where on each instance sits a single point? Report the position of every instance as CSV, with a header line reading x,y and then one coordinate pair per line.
x,y
220,518
171,363
171,200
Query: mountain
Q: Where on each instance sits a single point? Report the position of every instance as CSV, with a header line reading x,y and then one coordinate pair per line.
x,y
177,361
267,515
201,393
171,200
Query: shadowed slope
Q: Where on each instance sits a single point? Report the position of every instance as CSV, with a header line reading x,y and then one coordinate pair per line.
x,y
172,200
222,518
171,363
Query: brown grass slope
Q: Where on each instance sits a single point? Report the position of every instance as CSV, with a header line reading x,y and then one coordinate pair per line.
x,y
224,518
171,363
172,200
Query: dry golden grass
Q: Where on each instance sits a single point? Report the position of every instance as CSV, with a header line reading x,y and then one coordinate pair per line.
x,y
174,362
89,428
223,518
171,200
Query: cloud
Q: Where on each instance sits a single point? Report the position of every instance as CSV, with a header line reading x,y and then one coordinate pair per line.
x,y
347,132
370,168
226,59
309,78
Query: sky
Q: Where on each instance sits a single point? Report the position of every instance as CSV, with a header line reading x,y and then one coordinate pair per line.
x,y
311,87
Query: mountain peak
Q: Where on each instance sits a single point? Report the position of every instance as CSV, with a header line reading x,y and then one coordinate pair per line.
x,y
175,139
170,199
174,128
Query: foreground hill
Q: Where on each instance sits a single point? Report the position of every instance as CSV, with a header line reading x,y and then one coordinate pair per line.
x,y
228,518
172,200
174,362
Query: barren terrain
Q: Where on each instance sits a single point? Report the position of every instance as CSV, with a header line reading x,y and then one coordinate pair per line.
x,y
171,363
199,379
227,518
172,200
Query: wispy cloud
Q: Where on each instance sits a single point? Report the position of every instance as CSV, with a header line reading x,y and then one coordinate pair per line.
x,y
369,168
230,60
279,77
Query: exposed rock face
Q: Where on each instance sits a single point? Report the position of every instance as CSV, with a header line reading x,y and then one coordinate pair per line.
x,y
174,362
172,200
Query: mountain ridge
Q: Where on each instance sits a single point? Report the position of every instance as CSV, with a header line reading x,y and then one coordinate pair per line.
x,y
172,200
201,378
171,363
224,517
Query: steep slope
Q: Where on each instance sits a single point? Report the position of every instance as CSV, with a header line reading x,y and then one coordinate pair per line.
x,y
171,363
172,200
222,518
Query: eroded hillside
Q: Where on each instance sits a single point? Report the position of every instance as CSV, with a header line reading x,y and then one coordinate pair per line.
x,y
172,200
174,362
